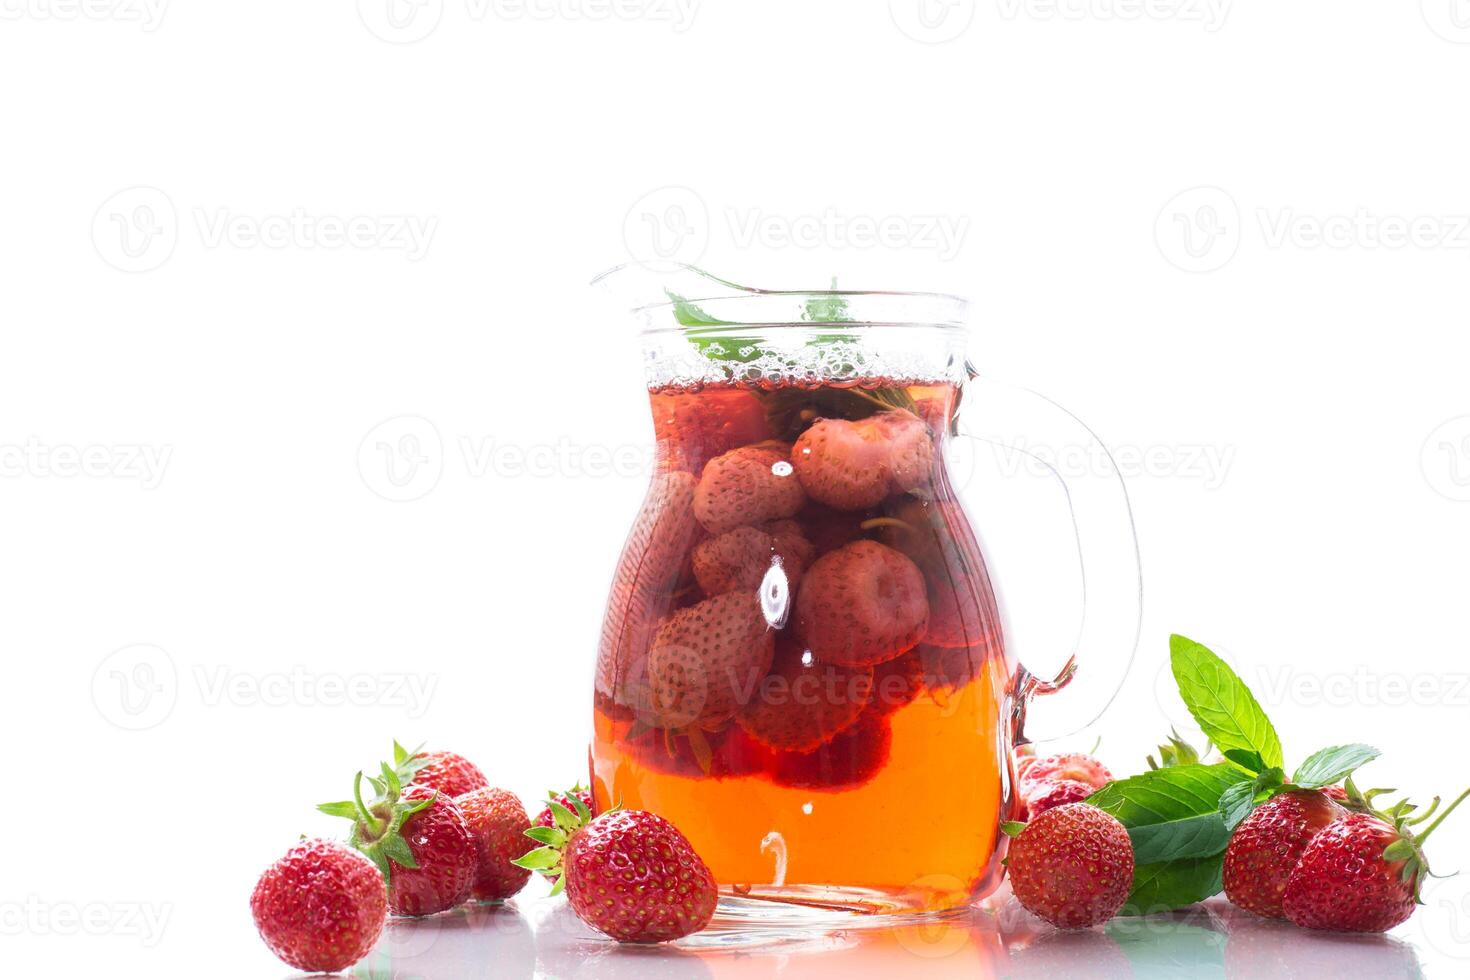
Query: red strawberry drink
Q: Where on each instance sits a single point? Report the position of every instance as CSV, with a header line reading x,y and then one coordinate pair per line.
x,y
801,664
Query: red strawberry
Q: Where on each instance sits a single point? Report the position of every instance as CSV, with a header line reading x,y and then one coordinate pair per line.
x,y
1267,845
651,564
418,839
1336,792
698,753
937,537
698,427
1056,792
853,465
861,605
803,703
321,907
849,760
498,823
740,559
1072,866
706,659
449,773
750,485
1076,765
626,873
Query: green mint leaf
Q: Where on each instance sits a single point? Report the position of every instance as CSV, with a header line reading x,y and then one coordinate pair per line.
x,y
1247,759
1172,814
1331,765
1173,884
1236,804
827,308
1220,702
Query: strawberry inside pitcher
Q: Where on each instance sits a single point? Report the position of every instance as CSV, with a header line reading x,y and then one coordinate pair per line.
x,y
801,664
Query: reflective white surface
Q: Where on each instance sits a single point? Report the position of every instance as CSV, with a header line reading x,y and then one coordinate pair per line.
x,y
541,938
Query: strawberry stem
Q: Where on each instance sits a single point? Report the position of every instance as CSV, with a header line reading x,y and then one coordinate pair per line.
x,y
1419,838
1433,805
366,813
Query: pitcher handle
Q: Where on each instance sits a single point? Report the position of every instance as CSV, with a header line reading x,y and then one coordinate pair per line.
x,y
1001,417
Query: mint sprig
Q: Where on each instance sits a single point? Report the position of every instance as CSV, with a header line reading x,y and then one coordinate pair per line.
x,y
1180,816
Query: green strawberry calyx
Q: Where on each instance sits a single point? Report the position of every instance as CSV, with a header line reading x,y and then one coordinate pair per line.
x,y
567,822
377,826
408,763
1403,817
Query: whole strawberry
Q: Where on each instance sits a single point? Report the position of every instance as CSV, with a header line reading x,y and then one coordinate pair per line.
x,y
626,873
1057,792
1072,866
1073,765
448,772
419,840
1267,845
1362,873
498,823
321,907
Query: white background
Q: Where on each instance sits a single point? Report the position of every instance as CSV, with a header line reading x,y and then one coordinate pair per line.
x,y
190,400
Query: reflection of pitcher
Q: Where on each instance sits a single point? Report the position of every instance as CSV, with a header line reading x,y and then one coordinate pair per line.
x,y
802,663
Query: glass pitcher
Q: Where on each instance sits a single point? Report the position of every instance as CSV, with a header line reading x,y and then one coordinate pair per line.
x,y
803,663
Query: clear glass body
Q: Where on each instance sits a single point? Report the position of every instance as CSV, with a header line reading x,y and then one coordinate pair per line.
x,y
802,664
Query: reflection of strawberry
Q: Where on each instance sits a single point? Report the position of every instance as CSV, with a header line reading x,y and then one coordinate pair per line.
x,y
706,659
321,907
1268,844
498,823
802,703
740,559
861,605
853,465
750,485
1072,866
847,761
626,873
651,564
